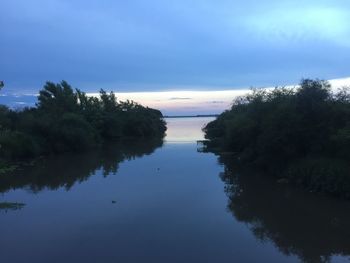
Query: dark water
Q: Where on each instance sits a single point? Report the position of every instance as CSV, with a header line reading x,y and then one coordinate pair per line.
x,y
164,202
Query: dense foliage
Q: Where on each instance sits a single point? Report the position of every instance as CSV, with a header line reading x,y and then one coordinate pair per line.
x,y
302,134
67,120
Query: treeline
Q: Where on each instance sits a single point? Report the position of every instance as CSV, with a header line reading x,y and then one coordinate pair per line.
x,y
67,120
301,135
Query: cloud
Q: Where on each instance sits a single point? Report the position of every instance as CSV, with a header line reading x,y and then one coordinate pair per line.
x,y
293,24
179,98
153,45
216,102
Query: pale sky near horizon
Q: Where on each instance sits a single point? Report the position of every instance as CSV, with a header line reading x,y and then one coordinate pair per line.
x,y
183,102
183,45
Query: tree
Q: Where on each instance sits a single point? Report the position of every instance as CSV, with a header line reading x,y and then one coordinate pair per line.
x,y
57,98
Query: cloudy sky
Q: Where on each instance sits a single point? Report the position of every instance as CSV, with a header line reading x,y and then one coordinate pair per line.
x,y
180,45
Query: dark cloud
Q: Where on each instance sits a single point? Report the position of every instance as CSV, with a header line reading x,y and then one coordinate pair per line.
x,y
141,45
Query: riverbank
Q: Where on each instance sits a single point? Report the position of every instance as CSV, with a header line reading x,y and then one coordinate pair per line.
x,y
300,136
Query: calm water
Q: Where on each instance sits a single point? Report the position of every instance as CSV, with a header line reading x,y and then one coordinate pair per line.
x,y
164,202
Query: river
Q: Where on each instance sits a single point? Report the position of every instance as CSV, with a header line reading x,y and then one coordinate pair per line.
x,y
164,202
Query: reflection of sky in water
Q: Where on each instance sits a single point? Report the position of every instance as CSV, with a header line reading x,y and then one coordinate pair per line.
x,y
186,129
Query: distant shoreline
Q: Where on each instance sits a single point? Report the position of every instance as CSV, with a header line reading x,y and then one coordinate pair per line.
x,y
191,116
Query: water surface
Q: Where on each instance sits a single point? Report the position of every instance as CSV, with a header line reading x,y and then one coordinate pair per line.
x,y
140,201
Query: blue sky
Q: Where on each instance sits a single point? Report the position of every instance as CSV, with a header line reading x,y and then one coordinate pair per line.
x,y
157,45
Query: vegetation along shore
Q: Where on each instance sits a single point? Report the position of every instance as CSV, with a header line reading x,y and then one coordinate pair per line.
x,y
67,120
301,135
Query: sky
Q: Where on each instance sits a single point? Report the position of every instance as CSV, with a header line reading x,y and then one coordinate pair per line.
x,y
205,46
171,103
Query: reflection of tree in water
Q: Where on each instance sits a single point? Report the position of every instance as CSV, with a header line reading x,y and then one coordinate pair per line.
x,y
6,206
312,227
65,170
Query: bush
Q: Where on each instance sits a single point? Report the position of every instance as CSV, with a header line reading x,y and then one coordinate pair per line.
x,y
73,133
321,175
14,145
